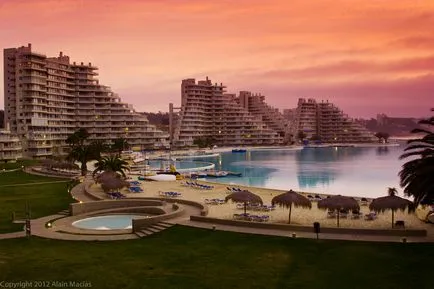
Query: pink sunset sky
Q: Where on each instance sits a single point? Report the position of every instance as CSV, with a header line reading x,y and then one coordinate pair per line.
x,y
367,57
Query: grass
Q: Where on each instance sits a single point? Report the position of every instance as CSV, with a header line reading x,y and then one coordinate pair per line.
x,y
183,257
43,199
17,164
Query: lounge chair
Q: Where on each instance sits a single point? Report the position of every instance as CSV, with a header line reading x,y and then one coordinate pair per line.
x,y
399,224
331,214
371,216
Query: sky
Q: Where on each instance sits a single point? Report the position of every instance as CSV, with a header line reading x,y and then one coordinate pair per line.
x,y
366,56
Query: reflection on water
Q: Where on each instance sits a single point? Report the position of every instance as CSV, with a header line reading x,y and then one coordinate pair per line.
x,y
382,150
319,166
337,170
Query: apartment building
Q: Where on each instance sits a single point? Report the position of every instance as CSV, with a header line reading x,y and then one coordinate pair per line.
x,y
207,111
48,98
10,146
329,124
272,117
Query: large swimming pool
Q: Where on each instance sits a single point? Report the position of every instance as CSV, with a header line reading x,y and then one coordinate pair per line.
x,y
352,171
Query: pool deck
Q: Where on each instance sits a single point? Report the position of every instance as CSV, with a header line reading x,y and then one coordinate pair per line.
x,y
78,192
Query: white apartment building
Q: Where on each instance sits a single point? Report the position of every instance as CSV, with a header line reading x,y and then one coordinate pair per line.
x,y
10,146
272,117
208,112
329,123
48,98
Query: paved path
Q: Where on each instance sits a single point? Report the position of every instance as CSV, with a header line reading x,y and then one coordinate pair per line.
x,y
274,232
12,235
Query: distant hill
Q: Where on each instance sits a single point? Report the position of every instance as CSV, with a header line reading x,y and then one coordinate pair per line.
x,y
394,126
159,119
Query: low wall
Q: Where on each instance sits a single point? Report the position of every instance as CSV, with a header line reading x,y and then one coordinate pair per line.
x,y
139,224
89,194
284,227
88,207
203,208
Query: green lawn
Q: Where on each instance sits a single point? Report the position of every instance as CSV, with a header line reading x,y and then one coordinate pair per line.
x,y
183,257
43,199
18,164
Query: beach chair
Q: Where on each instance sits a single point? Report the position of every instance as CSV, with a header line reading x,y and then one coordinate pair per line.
x,y
331,214
355,214
399,224
371,216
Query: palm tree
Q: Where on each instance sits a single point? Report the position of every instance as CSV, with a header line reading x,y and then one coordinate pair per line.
x,y
119,145
301,135
77,138
416,175
99,147
83,154
113,164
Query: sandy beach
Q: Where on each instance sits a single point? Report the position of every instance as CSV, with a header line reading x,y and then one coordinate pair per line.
x,y
279,215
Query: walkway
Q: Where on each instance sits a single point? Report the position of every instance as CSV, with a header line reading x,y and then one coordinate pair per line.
x,y
273,232
12,235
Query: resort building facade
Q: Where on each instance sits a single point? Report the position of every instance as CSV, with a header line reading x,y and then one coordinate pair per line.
x,y
48,98
272,117
10,146
324,122
207,111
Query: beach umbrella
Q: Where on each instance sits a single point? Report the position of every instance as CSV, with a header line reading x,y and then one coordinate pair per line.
x,y
339,203
114,184
289,199
244,197
391,202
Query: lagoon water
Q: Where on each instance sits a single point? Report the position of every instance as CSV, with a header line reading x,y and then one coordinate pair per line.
x,y
351,171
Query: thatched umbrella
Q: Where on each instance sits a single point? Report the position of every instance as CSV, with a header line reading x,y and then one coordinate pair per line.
x,y
114,184
339,203
391,202
106,175
244,197
291,198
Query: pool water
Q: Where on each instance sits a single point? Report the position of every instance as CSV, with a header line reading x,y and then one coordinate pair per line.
x,y
351,171
109,222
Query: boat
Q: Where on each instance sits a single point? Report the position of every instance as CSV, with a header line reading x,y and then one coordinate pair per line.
x,y
161,178
217,174
239,150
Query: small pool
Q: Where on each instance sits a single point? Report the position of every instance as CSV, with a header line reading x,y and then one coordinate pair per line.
x,y
110,222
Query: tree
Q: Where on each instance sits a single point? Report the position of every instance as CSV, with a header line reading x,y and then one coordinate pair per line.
x,y
113,164
382,137
83,154
301,135
392,191
78,138
119,145
416,175
80,151
203,142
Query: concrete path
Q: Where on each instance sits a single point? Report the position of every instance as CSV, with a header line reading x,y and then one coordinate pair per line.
x,y
12,235
273,232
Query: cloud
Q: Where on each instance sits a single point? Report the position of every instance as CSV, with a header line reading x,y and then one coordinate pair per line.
x,y
354,67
